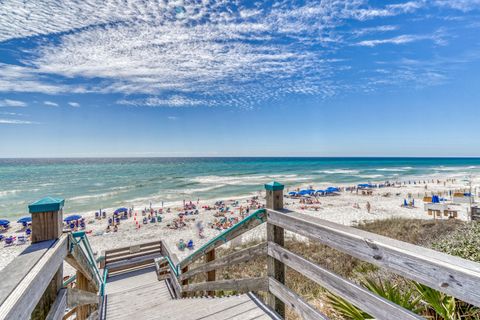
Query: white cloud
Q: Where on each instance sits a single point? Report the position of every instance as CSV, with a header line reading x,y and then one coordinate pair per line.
x,y
12,103
193,53
172,118
74,104
50,103
395,40
462,5
11,114
14,121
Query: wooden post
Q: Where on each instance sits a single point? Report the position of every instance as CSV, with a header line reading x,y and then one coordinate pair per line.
x,y
275,268
184,282
84,284
211,276
47,224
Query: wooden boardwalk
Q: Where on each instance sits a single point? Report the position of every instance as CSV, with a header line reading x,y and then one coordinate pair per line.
x,y
139,295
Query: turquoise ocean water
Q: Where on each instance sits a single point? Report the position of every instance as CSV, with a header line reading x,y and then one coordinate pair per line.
x,y
90,184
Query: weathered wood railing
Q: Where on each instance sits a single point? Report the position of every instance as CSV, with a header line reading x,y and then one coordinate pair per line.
x,y
32,284
452,275
28,280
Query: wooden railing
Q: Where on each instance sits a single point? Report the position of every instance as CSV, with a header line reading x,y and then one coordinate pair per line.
x,y
451,275
33,276
127,258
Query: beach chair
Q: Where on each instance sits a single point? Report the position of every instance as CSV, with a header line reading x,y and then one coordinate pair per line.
x,y
159,218
190,245
21,240
28,231
9,241
1,237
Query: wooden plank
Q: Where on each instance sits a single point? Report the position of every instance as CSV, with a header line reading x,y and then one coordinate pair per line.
x,y
130,267
241,285
77,298
211,276
275,268
233,258
16,270
235,231
295,302
116,256
364,299
132,256
23,299
142,245
58,309
78,259
166,251
69,314
452,275
123,263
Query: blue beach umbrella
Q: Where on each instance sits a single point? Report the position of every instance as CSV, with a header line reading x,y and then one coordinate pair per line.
x,y
4,223
73,217
24,220
293,193
120,210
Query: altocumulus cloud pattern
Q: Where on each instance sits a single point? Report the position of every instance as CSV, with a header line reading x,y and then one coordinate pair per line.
x,y
228,53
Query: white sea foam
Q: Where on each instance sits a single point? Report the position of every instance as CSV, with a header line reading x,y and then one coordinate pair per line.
x,y
95,196
339,171
443,168
402,169
370,176
196,190
8,192
246,180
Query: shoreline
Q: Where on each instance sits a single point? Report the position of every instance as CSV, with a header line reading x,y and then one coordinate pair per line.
x,y
337,209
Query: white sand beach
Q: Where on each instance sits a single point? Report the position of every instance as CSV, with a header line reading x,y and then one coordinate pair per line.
x,y
345,207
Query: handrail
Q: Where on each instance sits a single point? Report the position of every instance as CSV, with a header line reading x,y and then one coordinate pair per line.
x,y
260,215
102,294
83,239
449,274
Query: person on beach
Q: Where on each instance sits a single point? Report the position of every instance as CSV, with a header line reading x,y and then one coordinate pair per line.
x,y
369,207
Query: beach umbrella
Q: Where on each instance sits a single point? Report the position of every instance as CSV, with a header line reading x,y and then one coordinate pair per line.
x,y
4,223
293,193
24,220
73,217
120,210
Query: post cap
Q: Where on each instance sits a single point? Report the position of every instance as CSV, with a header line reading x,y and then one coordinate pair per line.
x,y
46,204
274,186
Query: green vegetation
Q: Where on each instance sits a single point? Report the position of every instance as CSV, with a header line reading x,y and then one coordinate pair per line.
x,y
463,242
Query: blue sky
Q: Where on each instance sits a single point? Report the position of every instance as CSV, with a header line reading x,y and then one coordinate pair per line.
x,y
239,78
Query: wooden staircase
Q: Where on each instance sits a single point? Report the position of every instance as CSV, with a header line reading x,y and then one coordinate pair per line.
x,y
140,295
